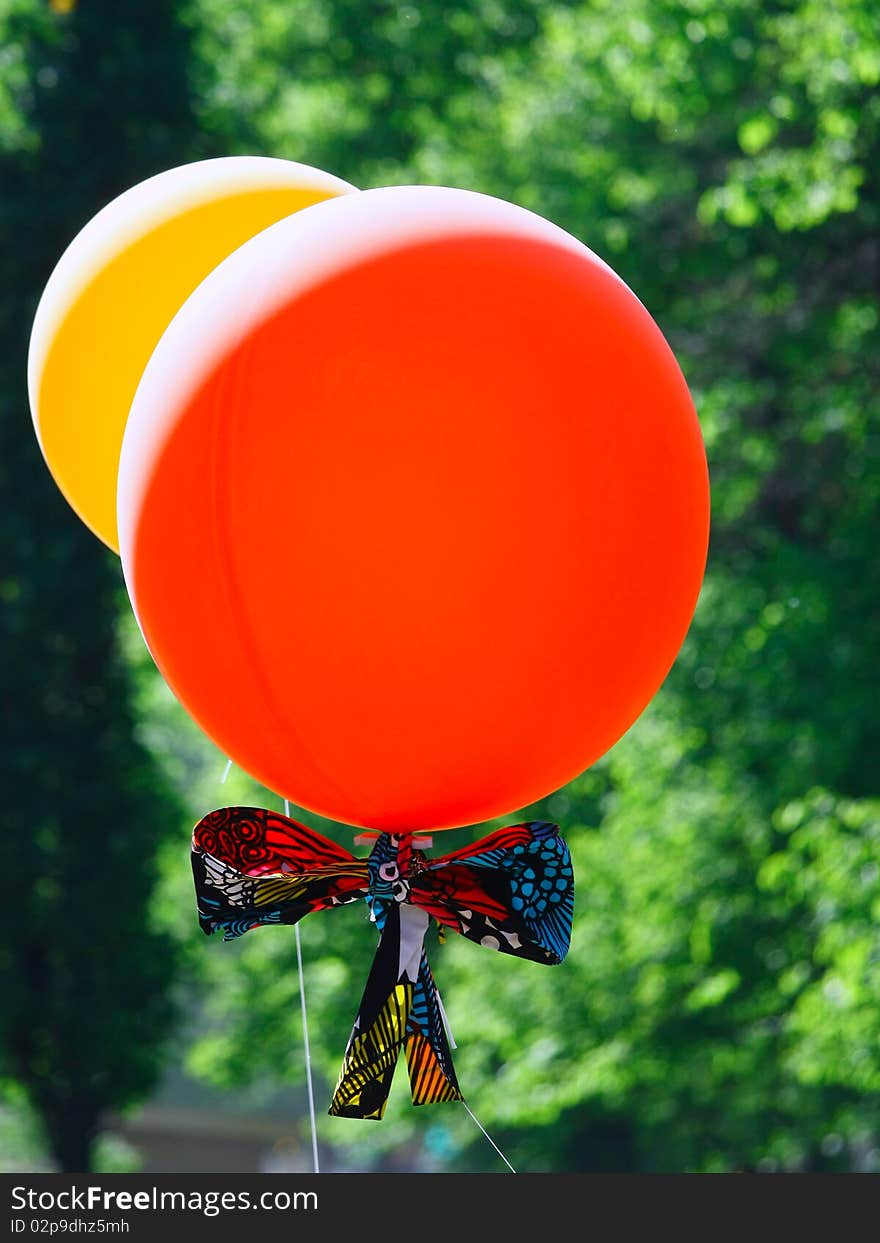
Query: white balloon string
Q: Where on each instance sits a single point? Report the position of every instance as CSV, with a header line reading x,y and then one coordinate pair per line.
x,y
488,1137
307,1047
443,1016
226,772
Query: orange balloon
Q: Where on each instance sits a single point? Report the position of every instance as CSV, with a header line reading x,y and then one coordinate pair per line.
x,y
413,507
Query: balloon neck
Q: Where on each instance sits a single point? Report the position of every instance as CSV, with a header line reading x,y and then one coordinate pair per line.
x,y
419,842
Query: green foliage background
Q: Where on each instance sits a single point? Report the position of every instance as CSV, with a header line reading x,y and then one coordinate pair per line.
x,y
720,1009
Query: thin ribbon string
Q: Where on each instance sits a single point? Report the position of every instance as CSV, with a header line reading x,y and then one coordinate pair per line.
x,y
488,1137
305,1018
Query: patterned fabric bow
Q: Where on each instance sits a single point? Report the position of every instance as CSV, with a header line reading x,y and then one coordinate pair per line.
x,y
511,891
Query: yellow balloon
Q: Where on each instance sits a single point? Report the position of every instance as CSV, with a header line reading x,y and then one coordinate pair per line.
x,y
116,289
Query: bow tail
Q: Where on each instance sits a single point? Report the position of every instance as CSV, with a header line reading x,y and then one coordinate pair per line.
x,y
400,1012
381,1025
428,1056
371,1057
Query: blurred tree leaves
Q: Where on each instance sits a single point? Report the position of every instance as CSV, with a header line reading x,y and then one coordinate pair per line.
x,y
719,1007
87,970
